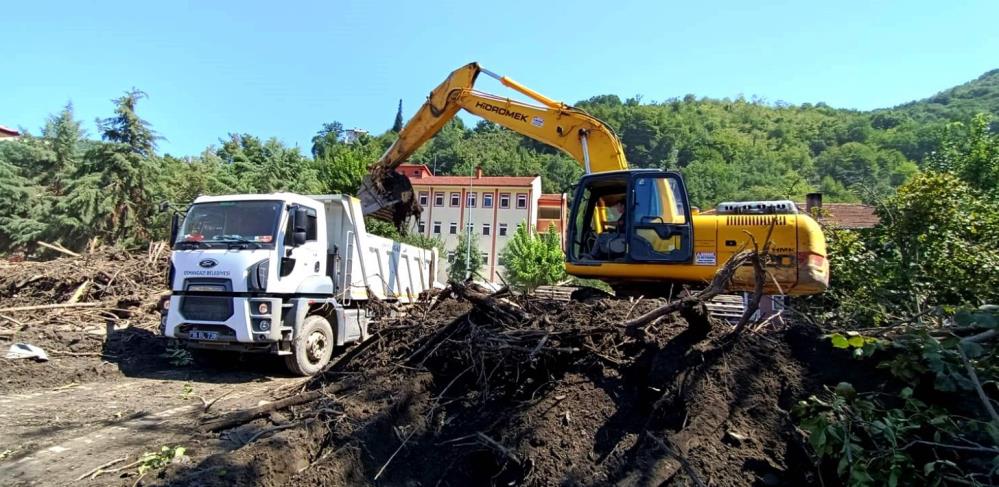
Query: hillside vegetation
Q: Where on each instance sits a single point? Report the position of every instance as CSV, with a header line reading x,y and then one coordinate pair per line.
x,y
60,185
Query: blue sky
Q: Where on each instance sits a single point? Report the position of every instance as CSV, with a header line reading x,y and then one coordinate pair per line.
x,y
281,69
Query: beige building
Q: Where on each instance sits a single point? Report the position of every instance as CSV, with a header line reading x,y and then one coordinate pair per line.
x,y
492,206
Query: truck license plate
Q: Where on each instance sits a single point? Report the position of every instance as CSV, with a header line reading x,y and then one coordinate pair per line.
x,y
204,335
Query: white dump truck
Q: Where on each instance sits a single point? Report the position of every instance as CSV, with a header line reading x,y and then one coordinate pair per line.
x,y
284,274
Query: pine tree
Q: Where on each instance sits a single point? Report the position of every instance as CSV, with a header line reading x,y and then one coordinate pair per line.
x,y
63,135
17,227
111,194
397,126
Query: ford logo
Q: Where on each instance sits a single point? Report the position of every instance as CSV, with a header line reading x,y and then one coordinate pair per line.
x,y
208,263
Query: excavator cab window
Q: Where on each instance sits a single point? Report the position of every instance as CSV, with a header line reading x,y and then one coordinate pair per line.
x,y
660,219
630,217
599,220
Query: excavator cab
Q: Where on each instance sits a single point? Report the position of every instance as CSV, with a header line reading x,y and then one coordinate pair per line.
x,y
630,216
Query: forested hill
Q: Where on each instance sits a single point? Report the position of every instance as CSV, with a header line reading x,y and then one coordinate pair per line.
x,y
728,149
977,96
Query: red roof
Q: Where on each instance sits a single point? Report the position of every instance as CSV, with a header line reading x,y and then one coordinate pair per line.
x,y
524,181
9,131
847,215
419,174
550,199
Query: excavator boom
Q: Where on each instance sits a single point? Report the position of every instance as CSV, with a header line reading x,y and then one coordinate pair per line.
x,y
387,195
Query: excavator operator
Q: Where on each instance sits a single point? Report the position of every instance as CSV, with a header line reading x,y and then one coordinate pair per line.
x,y
610,244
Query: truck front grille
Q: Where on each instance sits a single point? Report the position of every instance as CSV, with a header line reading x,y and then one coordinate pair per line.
x,y
206,308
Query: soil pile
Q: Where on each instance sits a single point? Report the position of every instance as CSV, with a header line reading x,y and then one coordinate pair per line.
x,y
528,391
89,313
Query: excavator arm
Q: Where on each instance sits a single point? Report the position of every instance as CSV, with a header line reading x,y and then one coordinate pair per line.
x,y
388,195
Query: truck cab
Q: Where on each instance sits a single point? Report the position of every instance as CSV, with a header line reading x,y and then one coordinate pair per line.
x,y
284,274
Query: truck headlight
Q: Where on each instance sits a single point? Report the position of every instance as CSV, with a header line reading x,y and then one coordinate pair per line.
x,y
256,278
263,308
265,325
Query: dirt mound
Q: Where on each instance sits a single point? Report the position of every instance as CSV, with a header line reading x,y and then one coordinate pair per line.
x,y
91,314
542,392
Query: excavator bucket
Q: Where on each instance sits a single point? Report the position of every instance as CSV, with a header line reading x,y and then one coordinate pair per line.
x,y
389,196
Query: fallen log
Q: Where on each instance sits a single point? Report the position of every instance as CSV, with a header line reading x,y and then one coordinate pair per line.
x,y
58,248
241,417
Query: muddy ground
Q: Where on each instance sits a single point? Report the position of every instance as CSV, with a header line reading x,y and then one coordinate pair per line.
x,y
110,390
550,393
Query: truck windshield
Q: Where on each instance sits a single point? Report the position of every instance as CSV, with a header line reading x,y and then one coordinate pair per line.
x,y
251,224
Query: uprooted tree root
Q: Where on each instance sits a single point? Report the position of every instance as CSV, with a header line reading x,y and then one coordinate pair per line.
x,y
477,388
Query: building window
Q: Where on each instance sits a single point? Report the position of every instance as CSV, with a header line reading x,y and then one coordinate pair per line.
x,y
424,197
504,200
437,228
485,228
487,200
423,227
485,258
438,199
453,230
502,229
521,200
470,200
455,199
450,257
550,213
499,260
469,227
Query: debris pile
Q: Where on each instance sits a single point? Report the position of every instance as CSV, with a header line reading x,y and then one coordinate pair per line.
x,y
68,306
503,389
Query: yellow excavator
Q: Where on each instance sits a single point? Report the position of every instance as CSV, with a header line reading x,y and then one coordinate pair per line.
x,y
633,229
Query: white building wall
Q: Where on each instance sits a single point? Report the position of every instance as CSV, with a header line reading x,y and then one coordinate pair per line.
x,y
494,243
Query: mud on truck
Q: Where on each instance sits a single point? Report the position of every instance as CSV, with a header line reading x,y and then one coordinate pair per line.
x,y
283,274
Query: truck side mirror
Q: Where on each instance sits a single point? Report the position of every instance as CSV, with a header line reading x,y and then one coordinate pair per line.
x,y
174,227
299,220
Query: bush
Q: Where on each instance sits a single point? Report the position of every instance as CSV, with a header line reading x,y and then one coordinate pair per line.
x,y
533,259
920,281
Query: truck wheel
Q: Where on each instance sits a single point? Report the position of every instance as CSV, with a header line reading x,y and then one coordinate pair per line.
x,y
312,348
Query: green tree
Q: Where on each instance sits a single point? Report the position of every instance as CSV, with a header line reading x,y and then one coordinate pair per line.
x,y
467,259
397,125
971,153
111,194
532,259
64,137
125,127
21,222
327,137
342,167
